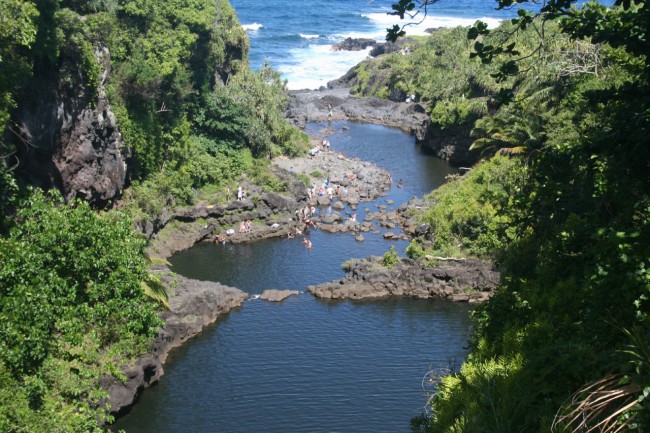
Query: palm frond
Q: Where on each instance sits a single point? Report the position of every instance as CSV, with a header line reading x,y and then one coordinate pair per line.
x,y
599,407
155,289
158,261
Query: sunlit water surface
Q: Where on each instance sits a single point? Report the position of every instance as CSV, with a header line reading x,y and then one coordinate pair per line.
x,y
306,365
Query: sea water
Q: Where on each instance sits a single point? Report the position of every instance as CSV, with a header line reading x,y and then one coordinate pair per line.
x,y
295,37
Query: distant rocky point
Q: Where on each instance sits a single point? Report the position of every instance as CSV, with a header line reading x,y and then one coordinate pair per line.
x,y
354,44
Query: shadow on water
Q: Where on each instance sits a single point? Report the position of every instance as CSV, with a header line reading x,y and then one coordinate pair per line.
x,y
306,365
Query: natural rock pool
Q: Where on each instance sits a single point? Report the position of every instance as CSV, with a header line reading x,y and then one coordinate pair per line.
x,y
305,365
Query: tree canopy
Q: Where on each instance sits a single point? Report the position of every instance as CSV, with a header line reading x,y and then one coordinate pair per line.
x,y
564,344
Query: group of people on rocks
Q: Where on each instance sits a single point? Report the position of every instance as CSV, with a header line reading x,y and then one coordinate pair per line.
x,y
326,189
245,226
240,195
304,213
324,147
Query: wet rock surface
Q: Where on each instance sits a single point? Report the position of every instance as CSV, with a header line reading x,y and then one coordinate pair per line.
x,y
193,305
462,280
274,295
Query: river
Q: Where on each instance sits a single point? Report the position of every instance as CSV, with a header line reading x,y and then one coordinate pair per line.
x,y
305,365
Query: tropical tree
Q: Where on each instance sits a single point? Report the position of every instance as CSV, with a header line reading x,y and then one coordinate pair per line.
x,y
517,129
571,321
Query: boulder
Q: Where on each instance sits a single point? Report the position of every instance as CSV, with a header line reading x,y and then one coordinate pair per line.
x,y
238,206
273,295
276,201
331,218
323,201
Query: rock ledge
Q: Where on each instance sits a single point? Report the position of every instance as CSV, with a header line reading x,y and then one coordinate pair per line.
x,y
460,280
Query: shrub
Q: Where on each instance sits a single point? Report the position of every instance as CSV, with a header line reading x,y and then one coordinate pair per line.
x,y
390,258
471,213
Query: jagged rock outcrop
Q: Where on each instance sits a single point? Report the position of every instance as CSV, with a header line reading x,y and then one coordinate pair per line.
x,y
68,137
389,47
451,144
193,305
354,44
462,280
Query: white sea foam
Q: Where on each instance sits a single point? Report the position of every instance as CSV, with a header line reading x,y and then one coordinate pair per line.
x,y
308,36
314,66
378,35
252,27
419,25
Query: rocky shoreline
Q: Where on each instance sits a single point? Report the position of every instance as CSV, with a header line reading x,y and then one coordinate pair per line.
x,y
274,214
193,305
451,144
453,279
196,304
313,106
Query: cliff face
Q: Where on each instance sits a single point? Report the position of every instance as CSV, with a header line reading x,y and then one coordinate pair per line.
x,y
74,101
68,136
451,144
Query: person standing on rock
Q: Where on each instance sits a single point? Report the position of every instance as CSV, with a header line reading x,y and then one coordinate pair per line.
x,y
329,112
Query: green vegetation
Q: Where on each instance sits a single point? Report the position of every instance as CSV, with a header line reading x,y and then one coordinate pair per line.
x,y
317,174
348,264
470,214
72,309
390,258
188,107
563,208
76,300
562,202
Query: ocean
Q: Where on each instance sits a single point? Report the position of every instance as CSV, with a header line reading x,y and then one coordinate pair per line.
x,y
295,36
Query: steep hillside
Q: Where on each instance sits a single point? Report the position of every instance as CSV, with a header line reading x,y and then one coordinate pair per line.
x,y
105,92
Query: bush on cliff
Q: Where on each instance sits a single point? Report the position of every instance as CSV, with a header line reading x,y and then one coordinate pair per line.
x,y
469,214
71,310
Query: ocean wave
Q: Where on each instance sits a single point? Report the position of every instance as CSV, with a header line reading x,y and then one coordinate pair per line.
x,y
378,34
252,27
308,36
419,26
313,66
